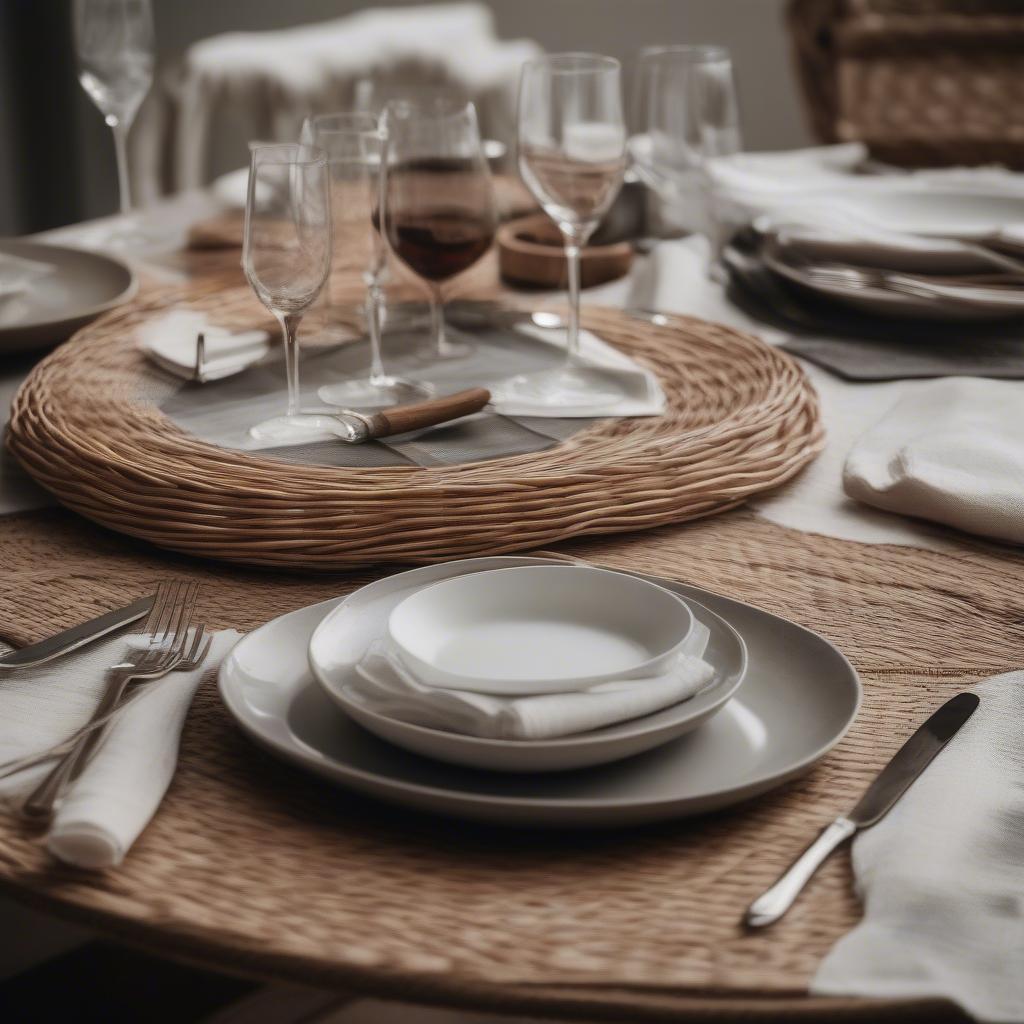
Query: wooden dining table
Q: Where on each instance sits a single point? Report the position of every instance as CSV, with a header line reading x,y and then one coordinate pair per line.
x,y
254,868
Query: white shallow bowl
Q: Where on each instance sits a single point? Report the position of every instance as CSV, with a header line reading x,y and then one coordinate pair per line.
x,y
538,629
726,652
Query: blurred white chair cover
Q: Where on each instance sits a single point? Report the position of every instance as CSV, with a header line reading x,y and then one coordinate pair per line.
x,y
268,81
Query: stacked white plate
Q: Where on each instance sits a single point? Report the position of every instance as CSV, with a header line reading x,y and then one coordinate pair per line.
x,y
932,255
759,726
529,630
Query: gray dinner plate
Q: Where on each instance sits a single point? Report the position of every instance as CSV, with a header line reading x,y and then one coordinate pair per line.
x,y
81,286
798,698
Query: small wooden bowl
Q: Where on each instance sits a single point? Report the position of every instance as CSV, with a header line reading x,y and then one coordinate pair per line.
x,y
530,253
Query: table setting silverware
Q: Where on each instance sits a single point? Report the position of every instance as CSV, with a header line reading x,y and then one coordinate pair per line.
x,y
170,644
880,797
75,637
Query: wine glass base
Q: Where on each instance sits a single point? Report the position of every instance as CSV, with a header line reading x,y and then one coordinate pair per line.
x,y
370,394
577,387
452,346
297,429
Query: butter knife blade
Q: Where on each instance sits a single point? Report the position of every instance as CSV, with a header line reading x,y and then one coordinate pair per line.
x,y
77,636
889,785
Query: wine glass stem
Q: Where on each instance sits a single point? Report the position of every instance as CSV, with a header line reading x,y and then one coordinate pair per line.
x,y
373,299
120,130
572,259
290,328
437,322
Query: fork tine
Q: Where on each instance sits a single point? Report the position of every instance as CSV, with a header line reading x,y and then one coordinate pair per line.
x,y
178,612
159,630
173,611
188,608
197,639
201,656
156,610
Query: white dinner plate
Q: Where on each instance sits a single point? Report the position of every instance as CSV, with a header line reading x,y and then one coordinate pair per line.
x,y
971,303
341,640
80,286
798,699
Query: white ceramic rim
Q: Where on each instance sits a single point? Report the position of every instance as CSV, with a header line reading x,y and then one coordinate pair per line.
x,y
508,686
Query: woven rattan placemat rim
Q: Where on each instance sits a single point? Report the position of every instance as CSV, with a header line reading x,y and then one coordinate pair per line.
x,y
742,419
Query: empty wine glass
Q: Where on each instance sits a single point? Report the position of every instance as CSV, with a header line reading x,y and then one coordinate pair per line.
x,y
286,255
353,145
114,42
439,211
572,142
685,112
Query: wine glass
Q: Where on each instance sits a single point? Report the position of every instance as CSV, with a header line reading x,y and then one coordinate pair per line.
x,y
572,155
438,209
685,112
114,41
353,144
286,256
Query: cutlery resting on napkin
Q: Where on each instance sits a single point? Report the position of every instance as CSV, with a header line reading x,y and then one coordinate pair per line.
x,y
108,806
940,876
386,686
170,341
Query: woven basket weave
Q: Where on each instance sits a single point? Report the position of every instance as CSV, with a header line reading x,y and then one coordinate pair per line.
x,y
742,419
921,82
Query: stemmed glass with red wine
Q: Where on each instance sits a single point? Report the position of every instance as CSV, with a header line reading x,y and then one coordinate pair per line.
x,y
438,198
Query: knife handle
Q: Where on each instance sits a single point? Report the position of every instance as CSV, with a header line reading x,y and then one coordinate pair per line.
x,y
401,418
770,906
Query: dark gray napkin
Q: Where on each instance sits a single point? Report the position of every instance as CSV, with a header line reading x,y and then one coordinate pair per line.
x,y
864,348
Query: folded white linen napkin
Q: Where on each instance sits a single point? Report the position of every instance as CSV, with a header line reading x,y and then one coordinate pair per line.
x,y
385,685
951,450
940,876
170,340
110,804
641,393
18,274
746,185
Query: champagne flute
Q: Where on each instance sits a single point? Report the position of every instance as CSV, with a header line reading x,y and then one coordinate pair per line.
x,y
114,42
353,144
572,141
685,113
439,211
286,256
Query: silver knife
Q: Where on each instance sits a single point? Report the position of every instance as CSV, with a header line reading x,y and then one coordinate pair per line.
x,y
892,782
77,636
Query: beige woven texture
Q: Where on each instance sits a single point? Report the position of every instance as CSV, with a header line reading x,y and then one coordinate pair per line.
x,y
742,419
255,867
921,82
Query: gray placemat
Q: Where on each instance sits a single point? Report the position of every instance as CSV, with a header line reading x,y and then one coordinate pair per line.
x,y
222,412
864,348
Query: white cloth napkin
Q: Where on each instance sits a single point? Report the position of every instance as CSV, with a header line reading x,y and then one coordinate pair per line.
x,y
641,393
746,185
941,876
110,804
951,451
385,685
170,341
18,275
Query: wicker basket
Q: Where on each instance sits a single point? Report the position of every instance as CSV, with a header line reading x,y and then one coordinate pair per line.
x,y
921,82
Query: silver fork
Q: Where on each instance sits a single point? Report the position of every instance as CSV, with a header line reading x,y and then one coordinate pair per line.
x,y
167,626
190,660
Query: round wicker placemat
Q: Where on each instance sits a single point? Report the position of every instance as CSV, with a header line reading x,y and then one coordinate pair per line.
x,y
742,418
